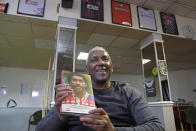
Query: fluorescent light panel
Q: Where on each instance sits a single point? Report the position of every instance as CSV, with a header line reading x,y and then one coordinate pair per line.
x,y
144,61
82,56
35,94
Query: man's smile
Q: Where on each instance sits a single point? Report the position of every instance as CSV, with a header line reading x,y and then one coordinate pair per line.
x,y
102,70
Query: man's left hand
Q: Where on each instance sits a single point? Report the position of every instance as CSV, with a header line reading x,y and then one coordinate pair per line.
x,y
98,120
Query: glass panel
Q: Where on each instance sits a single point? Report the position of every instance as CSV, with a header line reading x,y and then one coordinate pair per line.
x,y
65,52
27,48
152,90
159,50
162,66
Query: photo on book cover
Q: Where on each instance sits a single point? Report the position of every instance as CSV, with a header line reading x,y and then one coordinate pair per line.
x,y
81,99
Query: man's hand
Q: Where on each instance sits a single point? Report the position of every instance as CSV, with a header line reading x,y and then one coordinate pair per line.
x,y
61,93
98,120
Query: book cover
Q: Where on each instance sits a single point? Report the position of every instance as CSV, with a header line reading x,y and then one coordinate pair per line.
x,y
81,99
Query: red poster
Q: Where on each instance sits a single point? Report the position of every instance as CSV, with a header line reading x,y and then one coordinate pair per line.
x,y
121,13
3,7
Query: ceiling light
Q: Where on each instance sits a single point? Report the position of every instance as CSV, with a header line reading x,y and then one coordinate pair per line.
x,y
35,93
144,61
82,56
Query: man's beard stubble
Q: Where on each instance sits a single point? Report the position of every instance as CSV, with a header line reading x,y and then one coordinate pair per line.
x,y
103,81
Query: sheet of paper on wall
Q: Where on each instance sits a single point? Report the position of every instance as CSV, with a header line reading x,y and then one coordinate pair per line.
x,y
3,90
24,89
36,96
150,87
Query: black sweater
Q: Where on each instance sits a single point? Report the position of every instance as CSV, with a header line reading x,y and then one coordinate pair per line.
x,y
127,109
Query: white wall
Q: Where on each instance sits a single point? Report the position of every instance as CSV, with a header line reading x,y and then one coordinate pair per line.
x,y
76,11
182,83
73,12
181,21
134,80
14,77
52,14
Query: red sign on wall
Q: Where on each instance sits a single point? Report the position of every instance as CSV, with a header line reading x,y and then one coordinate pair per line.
x,y
3,7
121,13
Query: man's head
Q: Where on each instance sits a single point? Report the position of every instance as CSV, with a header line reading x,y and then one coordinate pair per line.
x,y
99,65
77,82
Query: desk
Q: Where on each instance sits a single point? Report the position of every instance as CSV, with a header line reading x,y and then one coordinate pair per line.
x,y
15,119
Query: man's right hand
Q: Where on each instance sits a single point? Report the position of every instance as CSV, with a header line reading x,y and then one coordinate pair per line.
x,y
61,93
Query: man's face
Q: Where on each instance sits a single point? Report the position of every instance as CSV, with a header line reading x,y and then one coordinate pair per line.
x,y
78,83
99,66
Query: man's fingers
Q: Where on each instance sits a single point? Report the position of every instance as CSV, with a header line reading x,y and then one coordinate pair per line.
x,y
60,87
60,99
63,93
100,111
98,120
94,119
93,126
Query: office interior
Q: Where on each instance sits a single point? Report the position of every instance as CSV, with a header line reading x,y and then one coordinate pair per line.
x,y
34,50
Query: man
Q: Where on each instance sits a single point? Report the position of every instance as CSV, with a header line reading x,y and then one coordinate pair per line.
x,y
119,106
79,94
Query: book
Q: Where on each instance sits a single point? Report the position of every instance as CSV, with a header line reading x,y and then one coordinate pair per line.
x,y
81,99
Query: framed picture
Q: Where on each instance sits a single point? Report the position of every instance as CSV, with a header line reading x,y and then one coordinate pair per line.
x,y
3,7
162,67
31,7
146,18
150,89
121,13
92,9
168,22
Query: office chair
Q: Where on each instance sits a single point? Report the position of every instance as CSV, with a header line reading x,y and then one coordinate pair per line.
x,y
35,118
190,116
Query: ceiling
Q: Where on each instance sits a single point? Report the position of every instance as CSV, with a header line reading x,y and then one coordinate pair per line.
x,y
30,43
123,45
186,8
26,42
